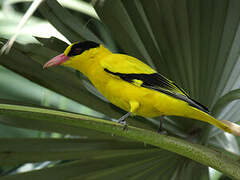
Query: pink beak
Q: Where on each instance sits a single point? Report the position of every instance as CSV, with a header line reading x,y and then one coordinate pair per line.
x,y
61,58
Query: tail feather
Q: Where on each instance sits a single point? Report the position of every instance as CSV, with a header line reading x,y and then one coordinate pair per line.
x,y
220,124
225,125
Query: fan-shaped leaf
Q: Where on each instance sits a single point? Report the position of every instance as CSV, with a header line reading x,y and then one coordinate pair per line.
x,y
17,151
225,100
67,24
181,147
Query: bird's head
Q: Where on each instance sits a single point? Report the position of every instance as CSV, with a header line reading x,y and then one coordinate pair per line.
x,y
76,54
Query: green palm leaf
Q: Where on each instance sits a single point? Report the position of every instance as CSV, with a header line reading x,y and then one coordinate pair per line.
x,y
195,43
190,150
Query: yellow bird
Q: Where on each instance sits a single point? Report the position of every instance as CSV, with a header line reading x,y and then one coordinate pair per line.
x,y
134,86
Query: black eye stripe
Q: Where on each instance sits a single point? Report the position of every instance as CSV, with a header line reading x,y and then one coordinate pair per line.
x,y
79,48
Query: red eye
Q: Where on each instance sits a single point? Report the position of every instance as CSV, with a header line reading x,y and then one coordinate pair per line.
x,y
79,48
77,51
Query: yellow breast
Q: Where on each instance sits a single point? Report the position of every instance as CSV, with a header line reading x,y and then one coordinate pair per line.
x,y
121,93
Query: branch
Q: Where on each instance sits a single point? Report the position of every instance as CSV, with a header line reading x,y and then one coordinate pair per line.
x,y
190,150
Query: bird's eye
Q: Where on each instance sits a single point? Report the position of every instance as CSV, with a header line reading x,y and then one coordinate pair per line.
x,y
77,51
79,48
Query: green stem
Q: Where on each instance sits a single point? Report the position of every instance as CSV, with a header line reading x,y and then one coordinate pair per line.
x,y
190,150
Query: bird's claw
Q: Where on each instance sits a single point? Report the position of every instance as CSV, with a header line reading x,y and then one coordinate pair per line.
x,y
162,132
124,123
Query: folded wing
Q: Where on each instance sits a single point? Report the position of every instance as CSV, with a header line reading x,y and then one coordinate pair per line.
x,y
139,74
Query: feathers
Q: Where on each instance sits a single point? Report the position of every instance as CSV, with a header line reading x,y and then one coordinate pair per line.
x,y
78,48
137,73
134,86
120,63
159,83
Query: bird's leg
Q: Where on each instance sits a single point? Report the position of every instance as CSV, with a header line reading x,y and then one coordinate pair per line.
x,y
134,105
122,120
160,126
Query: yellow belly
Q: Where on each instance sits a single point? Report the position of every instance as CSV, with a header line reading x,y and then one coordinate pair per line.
x,y
152,103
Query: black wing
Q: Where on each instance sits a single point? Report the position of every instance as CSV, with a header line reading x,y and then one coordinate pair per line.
x,y
159,83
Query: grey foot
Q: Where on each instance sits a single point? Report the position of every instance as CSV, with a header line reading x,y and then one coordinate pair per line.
x,y
123,121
